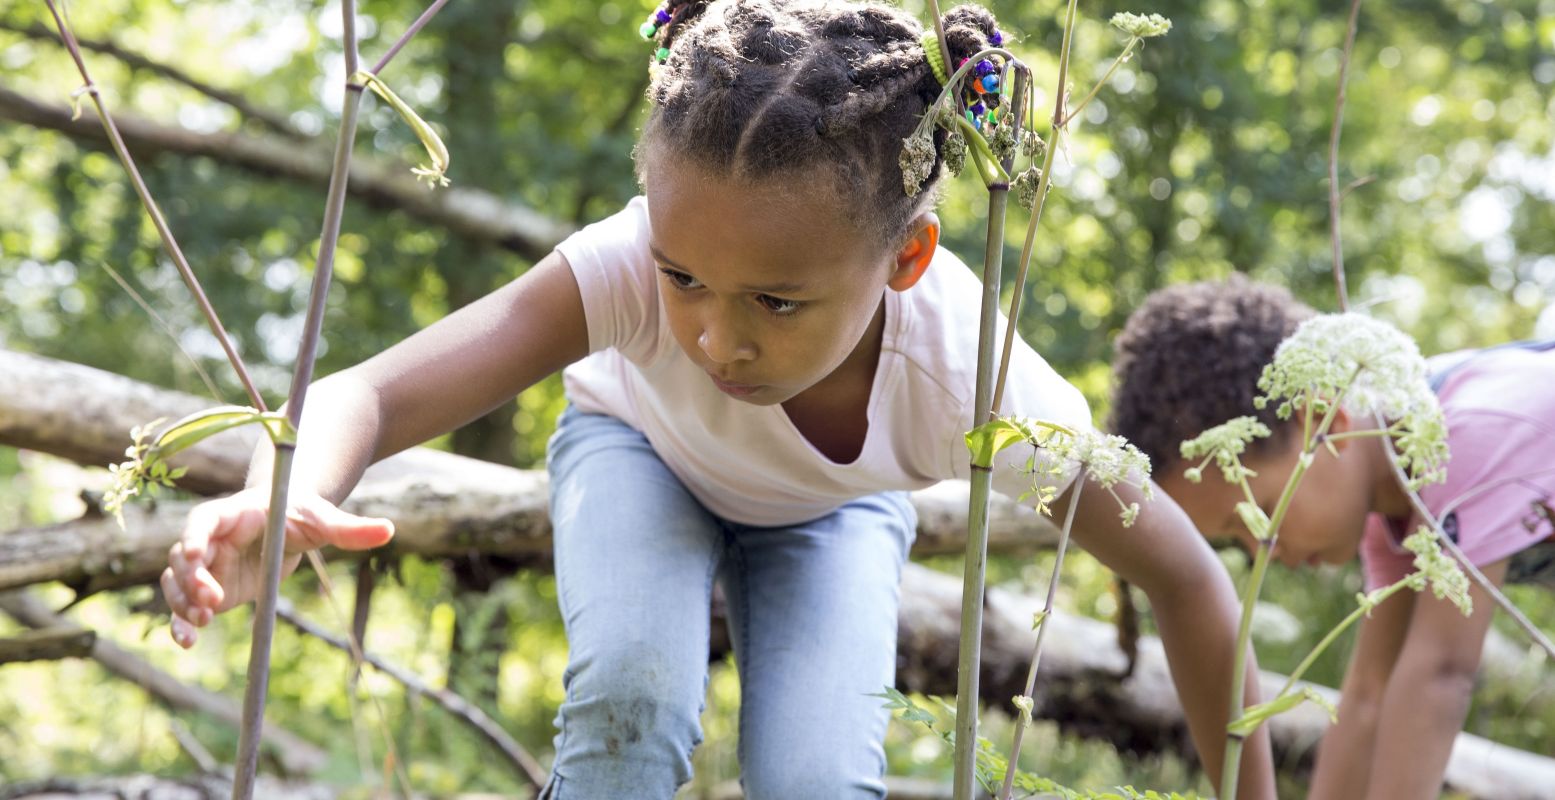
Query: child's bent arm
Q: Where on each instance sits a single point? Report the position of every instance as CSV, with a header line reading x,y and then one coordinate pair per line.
x,y
454,371
1196,609
1344,756
450,373
1428,694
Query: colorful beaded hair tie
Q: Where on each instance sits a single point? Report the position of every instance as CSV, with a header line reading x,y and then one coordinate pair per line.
x,y
980,90
657,20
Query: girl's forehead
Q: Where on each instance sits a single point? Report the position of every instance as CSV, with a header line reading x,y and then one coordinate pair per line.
x,y
699,220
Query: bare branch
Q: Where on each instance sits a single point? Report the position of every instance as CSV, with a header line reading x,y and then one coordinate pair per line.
x,y
522,761
276,122
473,213
48,644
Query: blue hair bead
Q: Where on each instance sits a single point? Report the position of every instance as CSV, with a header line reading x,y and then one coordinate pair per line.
x,y
990,83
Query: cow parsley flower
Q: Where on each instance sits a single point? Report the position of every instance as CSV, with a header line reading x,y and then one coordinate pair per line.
x,y
1372,368
1143,26
1225,443
1438,571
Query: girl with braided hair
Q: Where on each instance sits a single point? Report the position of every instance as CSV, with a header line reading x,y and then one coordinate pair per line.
x,y
763,353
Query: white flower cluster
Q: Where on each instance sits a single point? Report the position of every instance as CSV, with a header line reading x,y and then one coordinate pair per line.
x,y
1437,570
1371,367
1107,459
1143,26
1225,443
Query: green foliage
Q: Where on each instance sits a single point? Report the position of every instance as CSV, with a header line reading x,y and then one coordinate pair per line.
x,y
990,766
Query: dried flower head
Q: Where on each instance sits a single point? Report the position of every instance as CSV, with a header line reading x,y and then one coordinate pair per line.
x,y
1032,145
1003,142
955,152
917,161
1025,187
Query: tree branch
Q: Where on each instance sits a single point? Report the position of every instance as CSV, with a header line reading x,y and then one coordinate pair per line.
x,y
47,644
295,756
276,122
473,213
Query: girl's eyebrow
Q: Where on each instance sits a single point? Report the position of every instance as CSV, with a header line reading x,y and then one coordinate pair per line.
x,y
785,288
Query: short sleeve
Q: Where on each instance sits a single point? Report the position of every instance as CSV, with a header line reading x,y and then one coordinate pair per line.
x,y
1035,390
1382,560
614,268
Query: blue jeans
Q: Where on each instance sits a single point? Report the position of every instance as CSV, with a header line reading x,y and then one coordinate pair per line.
x,y
812,615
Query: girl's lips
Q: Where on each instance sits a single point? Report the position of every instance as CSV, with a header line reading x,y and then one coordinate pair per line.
x,y
734,389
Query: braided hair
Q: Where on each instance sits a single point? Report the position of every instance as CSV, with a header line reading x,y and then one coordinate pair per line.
x,y
763,89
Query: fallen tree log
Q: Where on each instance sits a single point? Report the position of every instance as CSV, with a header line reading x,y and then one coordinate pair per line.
x,y
294,755
442,504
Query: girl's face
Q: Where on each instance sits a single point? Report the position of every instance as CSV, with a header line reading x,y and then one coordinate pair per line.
x,y
1326,517
767,288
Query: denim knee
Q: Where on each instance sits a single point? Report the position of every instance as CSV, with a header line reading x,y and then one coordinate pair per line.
x,y
814,774
628,725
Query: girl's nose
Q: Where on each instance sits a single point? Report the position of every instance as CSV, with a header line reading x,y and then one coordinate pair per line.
x,y
724,346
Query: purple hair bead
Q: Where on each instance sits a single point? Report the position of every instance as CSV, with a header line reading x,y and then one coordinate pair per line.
x,y
662,17
997,39
978,110
985,67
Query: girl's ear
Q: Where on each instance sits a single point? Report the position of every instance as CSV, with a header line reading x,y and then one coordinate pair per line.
x,y
1341,424
914,256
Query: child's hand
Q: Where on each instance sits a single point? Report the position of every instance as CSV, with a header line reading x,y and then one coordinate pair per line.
x,y
217,563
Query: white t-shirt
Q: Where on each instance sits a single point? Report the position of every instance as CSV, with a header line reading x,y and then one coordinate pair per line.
x,y
749,463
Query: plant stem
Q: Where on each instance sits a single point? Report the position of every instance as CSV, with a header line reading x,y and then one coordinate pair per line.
x,y
939,35
273,554
1360,611
1047,615
273,551
1116,62
1027,247
152,210
1231,766
415,27
967,678
1333,159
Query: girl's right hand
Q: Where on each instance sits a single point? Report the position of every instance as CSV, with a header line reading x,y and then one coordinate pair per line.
x,y
216,565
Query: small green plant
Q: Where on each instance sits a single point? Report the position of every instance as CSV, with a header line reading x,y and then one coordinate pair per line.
x,y
990,768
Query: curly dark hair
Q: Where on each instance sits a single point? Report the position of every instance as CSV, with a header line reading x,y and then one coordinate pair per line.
x,y
757,89
1189,359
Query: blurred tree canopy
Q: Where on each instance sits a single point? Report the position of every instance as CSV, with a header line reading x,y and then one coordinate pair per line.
x,y
1207,155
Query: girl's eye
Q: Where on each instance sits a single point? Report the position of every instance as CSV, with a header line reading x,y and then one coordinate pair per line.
x,y
681,280
778,305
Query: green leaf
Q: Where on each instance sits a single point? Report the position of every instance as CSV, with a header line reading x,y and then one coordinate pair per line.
x,y
986,440
197,427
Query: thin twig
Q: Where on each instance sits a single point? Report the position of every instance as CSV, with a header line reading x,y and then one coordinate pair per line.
x,y
416,26
1333,159
1036,649
526,765
168,329
168,242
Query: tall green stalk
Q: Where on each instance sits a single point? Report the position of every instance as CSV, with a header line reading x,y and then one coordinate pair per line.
x,y
975,575
1231,765
274,547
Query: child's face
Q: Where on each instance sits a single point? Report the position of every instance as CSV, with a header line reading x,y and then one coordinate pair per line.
x,y
767,289
1325,519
